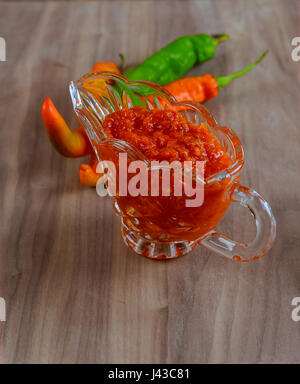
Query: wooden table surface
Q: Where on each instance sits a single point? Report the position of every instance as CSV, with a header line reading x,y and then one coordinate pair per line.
x,y
74,292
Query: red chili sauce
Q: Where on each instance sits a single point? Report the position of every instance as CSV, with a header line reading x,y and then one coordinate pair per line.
x,y
166,135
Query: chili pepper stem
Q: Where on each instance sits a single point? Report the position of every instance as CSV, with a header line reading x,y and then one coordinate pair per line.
x,y
225,80
122,62
220,37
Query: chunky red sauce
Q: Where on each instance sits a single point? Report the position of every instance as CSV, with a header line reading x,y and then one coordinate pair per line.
x,y
166,135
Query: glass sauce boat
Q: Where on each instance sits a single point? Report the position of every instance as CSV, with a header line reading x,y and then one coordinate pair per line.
x,y
160,227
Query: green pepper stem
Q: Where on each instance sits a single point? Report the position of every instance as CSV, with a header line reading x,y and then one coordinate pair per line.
x,y
225,80
219,38
122,62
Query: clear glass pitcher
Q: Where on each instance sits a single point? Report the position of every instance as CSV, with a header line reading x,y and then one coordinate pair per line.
x,y
161,227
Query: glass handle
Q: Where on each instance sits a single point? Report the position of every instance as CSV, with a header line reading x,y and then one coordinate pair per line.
x,y
265,229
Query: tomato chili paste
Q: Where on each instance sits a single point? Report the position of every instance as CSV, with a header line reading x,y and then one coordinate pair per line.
x,y
166,135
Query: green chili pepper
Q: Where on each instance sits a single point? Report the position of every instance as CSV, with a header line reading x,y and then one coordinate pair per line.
x,y
175,59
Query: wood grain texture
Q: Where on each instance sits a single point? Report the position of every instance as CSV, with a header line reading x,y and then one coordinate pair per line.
x,y
74,293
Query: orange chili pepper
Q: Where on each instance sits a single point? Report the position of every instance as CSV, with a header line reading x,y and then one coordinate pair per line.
x,y
67,142
198,89
74,143
70,143
98,86
105,66
87,172
205,87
